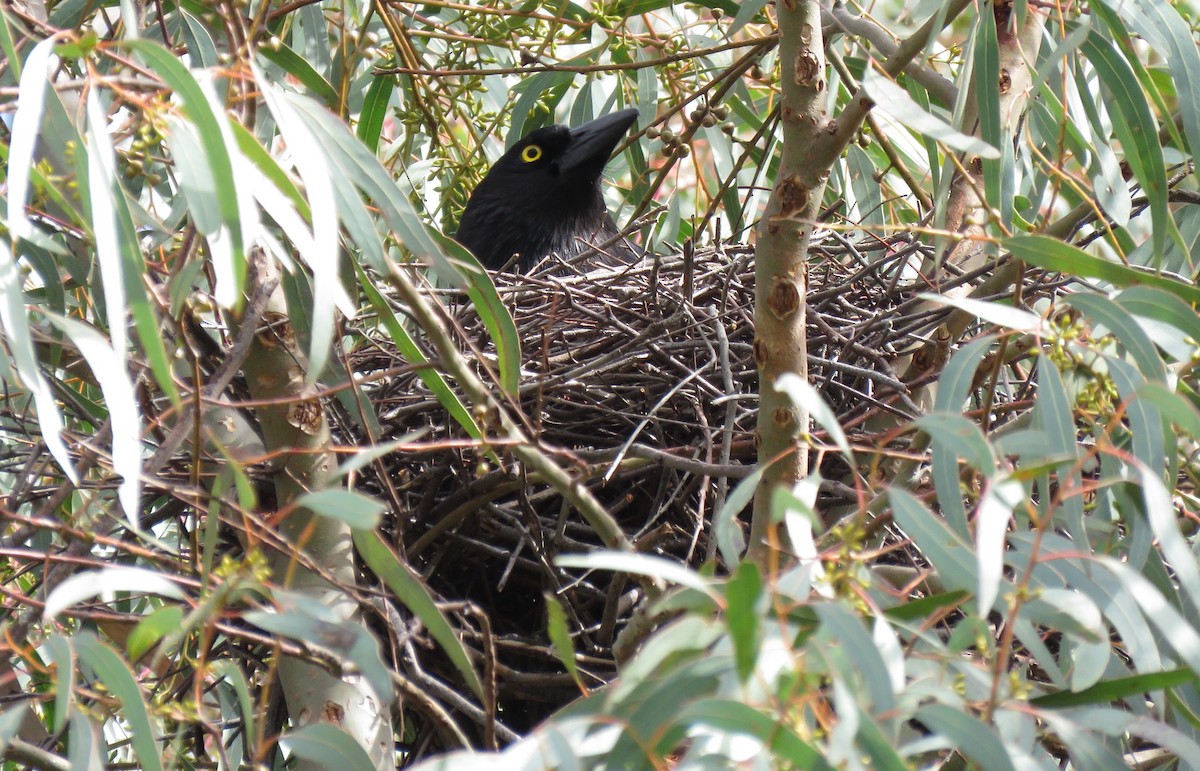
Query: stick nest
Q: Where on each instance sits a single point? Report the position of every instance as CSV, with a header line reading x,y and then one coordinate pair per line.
x,y
640,380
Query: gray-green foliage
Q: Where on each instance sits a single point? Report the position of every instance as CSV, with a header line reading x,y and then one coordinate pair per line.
x,y
1048,612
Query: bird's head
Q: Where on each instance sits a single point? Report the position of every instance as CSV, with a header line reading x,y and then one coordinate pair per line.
x,y
543,196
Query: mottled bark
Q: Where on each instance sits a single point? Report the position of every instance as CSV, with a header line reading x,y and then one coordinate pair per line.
x,y
812,143
781,280
294,427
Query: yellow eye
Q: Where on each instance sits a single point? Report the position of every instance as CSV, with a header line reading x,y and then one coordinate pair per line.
x,y
531,153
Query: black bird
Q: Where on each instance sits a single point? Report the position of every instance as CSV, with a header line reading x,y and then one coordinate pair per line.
x,y
543,197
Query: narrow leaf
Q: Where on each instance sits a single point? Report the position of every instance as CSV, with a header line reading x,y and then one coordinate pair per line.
x,y
120,681
807,398
298,67
410,589
1135,126
949,554
896,102
639,564
560,635
327,746
742,595
355,509
1052,254
228,249
374,110
1116,689
966,734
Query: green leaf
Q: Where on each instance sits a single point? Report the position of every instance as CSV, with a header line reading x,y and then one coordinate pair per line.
x,y
746,11
560,635
411,352
742,595
410,589
1160,512
961,437
298,67
87,747
229,671
1159,307
230,262
795,507
371,453
734,717
314,624
355,509
151,629
1146,425
954,385
1179,635
357,163
1001,496
1135,127
994,312
270,168
896,102
13,318
1054,416
320,246
121,683
1149,78
31,104
878,747
1101,310
120,399
966,734
374,110
1052,254
327,746
730,540
926,607
1171,36
117,578
639,564
8,46
1173,406
808,399
58,650
629,8
858,655
493,313
1116,689
953,558
956,380
10,723
986,69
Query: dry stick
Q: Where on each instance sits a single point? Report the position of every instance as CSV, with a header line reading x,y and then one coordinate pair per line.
x,y
579,68
722,491
728,79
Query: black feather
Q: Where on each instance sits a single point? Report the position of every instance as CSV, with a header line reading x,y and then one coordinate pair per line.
x,y
543,197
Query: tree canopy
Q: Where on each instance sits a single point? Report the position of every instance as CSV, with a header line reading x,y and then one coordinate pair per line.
x,y
885,456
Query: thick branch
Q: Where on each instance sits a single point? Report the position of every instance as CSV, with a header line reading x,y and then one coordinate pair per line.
x,y
781,254
294,426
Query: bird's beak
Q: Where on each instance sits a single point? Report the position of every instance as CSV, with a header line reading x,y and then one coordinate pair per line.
x,y
592,143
